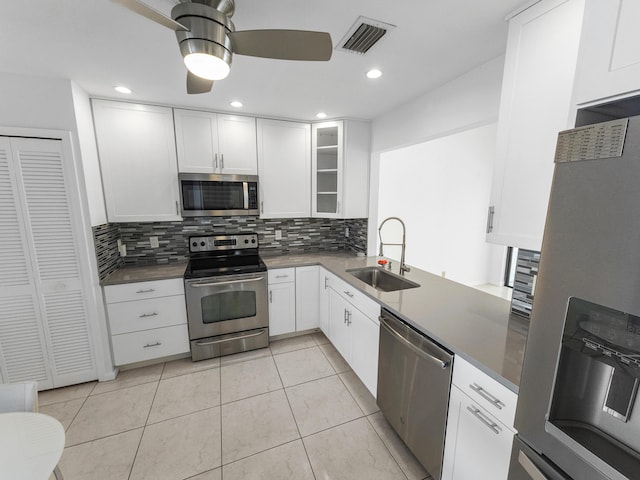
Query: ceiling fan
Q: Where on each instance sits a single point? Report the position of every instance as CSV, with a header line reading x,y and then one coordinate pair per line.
x,y
208,39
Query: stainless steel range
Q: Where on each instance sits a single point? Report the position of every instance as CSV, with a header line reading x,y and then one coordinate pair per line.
x,y
226,292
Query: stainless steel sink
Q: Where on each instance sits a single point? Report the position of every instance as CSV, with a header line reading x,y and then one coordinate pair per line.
x,y
382,279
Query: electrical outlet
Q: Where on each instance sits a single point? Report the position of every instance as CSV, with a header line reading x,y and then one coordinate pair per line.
x,y
346,232
123,250
278,234
444,274
153,241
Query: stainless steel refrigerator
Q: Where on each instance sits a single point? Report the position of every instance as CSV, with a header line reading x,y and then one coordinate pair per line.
x,y
577,414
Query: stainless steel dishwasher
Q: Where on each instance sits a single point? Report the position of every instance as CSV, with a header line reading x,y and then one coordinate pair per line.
x,y
414,379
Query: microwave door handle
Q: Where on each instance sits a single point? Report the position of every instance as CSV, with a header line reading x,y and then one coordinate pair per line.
x,y
245,190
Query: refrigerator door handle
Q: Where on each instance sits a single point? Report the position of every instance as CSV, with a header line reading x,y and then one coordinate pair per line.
x,y
530,468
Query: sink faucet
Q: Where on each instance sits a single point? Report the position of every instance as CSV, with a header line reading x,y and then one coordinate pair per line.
x,y
403,267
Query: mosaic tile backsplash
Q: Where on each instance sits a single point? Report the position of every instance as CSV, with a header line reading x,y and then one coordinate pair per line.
x,y
526,270
299,235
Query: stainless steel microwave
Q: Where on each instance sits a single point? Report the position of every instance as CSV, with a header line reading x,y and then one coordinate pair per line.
x,y
210,195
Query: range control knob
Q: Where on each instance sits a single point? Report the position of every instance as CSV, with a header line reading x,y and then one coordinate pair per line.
x,y
253,240
202,244
194,244
246,240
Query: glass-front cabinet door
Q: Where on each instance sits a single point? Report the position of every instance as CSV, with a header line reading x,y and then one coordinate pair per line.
x,y
327,158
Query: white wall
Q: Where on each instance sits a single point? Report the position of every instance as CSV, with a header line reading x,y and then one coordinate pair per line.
x,y
58,104
469,101
89,153
441,189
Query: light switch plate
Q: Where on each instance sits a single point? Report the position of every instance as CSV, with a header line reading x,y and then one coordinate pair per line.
x,y
278,234
153,241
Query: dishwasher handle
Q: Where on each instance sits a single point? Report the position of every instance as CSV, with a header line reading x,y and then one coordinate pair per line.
x,y
427,356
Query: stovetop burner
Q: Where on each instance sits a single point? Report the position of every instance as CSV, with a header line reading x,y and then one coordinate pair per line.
x,y
216,255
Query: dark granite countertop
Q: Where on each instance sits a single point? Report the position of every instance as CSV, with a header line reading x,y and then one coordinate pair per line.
x,y
130,274
473,324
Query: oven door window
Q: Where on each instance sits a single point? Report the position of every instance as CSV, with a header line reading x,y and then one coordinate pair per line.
x,y
220,307
197,195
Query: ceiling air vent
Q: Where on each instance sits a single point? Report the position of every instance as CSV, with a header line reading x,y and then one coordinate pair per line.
x,y
363,35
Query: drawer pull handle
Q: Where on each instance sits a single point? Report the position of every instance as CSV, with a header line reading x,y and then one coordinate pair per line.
x,y
484,419
149,290
157,344
282,276
145,315
349,294
496,402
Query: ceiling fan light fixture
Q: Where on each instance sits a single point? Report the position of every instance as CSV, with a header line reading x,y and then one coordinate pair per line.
x,y
122,89
207,66
236,104
321,115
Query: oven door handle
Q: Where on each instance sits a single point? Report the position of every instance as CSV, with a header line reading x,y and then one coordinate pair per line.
x,y
225,282
214,342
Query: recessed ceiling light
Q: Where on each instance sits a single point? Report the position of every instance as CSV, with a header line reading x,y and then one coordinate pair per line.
x,y
236,104
321,115
122,89
374,73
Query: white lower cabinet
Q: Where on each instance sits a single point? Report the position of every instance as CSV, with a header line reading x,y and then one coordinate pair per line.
x,y
147,320
293,299
323,301
479,426
282,308
354,330
307,298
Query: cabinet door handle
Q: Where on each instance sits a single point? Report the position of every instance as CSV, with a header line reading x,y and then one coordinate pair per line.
x,y
338,208
149,290
177,208
496,402
270,296
484,419
222,161
261,206
349,294
490,215
215,161
326,281
157,344
145,315
348,318
346,313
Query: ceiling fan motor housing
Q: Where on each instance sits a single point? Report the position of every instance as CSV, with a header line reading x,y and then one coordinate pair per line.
x,y
208,29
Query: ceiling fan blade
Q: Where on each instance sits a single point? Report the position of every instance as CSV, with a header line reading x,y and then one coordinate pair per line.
x,y
196,84
283,44
151,13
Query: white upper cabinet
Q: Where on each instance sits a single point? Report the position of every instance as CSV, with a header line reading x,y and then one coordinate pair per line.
x,y
137,152
540,63
340,153
215,143
609,60
284,167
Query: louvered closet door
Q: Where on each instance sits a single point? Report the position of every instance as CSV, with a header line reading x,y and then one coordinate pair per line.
x,y
49,222
23,352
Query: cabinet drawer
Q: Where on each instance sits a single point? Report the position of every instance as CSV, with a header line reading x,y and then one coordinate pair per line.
x,y
282,275
497,399
356,298
126,317
140,290
149,344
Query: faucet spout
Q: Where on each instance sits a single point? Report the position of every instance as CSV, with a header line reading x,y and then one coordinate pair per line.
x,y
403,267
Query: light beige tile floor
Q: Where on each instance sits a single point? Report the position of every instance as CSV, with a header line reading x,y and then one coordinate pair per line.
x,y
294,411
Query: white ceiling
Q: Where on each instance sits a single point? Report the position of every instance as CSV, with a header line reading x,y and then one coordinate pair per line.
x,y
99,44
